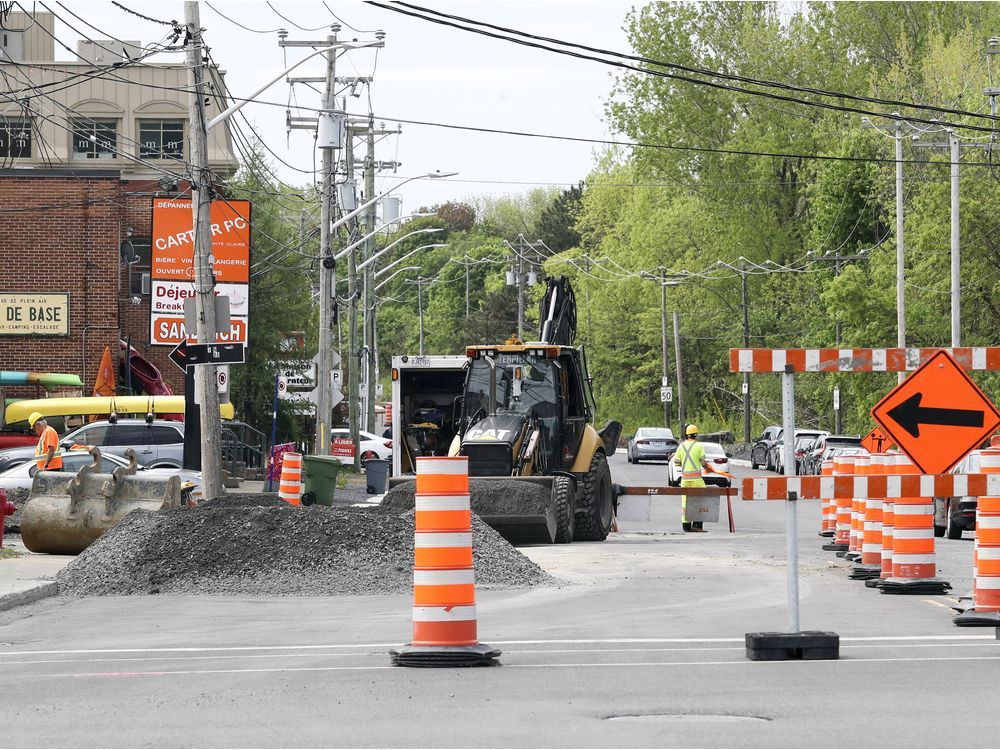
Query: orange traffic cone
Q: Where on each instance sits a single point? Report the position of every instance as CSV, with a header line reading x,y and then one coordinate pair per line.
x,y
871,531
914,567
444,592
986,556
290,484
843,465
829,524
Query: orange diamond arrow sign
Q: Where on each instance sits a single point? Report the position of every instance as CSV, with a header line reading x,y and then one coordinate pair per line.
x,y
937,415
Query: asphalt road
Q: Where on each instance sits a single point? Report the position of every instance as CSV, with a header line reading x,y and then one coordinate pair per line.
x,y
642,646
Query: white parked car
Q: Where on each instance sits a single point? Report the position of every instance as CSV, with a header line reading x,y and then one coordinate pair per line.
x,y
716,457
372,446
23,475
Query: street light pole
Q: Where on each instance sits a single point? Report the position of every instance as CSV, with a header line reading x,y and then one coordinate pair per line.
x,y
420,308
746,344
201,189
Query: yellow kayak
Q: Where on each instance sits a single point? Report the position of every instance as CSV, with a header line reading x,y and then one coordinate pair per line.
x,y
101,406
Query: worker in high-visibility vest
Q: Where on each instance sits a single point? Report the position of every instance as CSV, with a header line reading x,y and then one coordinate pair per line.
x,y
691,456
48,453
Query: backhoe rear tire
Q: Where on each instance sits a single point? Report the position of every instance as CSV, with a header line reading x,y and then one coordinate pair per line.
x,y
563,494
594,522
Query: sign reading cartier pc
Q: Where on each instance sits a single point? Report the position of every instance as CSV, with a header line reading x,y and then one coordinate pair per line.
x,y
172,267
937,415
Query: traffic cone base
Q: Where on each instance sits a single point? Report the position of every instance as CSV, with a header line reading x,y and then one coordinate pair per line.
x,y
479,655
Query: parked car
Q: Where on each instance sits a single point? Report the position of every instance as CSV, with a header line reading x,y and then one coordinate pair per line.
x,y
159,444
822,447
714,455
651,443
953,515
776,454
761,446
371,445
22,475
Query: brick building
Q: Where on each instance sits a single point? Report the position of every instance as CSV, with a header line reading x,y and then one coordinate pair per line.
x,y
79,166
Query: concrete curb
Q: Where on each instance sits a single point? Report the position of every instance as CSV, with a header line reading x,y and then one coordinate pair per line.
x,y
28,596
740,462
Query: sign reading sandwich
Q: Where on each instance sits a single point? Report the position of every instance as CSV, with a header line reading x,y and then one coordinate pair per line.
x,y
31,314
172,266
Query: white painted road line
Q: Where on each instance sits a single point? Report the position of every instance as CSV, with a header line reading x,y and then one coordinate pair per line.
x,y
381,653
539,642
567,665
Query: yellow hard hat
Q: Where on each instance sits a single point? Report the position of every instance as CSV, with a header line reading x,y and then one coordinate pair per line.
x,y
34,417
692,429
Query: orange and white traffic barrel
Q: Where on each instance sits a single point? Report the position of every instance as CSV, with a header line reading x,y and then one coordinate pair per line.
x,y
887,467
870,566
985,608
445,629
914,566
861,465
290,484
829,523
842,466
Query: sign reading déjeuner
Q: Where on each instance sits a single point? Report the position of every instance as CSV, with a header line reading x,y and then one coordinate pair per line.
x,y
34,314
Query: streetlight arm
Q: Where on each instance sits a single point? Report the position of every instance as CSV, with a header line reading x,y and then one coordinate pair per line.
x,y
401,270
362,266
230,111
400,260
347,217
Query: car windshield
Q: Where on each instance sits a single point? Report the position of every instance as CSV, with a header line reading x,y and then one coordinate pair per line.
x,y
655,433
538,392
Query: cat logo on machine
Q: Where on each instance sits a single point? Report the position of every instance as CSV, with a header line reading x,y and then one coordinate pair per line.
x,y
489,434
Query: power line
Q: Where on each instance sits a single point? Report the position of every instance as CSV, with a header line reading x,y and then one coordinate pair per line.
x,y
705,71
673,76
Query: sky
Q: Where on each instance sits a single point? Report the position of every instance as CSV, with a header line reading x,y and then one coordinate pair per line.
x,y
425,72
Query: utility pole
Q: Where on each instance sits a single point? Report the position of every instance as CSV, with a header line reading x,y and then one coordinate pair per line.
x,y
663,330
204,279
368,280
900,255
420,309
520,297
681,413
353,354
956,248
745,293
954,146
468,269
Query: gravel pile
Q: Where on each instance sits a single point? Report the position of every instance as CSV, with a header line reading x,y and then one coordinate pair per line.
x,y
225,547
12,524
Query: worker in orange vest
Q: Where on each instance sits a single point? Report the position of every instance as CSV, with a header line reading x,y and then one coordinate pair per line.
x,y
48,453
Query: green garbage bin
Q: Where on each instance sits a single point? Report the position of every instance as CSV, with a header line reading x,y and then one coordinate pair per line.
x,y
320,479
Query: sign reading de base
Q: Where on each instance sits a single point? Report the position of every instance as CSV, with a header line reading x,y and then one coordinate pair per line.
x,y
30,314
937,415
172,266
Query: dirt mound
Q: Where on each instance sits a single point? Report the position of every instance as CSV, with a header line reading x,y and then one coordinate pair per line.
x,y
251,550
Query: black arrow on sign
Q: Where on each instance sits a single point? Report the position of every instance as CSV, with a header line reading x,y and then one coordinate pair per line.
x,y
910,415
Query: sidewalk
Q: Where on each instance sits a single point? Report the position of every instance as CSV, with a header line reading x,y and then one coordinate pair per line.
x,y
28,577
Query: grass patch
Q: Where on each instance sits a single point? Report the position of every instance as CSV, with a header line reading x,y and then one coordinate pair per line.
x,y
8,552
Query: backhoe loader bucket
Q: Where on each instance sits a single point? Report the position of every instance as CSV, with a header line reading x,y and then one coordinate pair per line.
x,y
66,513
521,509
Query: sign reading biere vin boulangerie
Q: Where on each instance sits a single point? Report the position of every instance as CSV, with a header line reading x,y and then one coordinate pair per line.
x,y
34,314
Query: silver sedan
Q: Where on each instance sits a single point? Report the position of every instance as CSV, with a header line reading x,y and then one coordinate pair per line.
x,y
651,444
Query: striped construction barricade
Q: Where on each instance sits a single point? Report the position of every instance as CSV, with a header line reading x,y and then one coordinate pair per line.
x,y
445,628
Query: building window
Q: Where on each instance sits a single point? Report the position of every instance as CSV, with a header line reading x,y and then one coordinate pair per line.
x,y
95,139
15,137
161,139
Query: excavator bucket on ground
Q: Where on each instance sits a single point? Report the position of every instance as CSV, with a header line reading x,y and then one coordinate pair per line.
x,y
66,513
521,509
